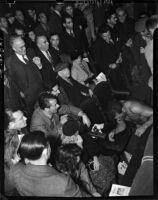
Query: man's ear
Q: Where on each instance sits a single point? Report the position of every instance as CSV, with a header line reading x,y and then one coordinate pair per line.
x,y
26,161
64,24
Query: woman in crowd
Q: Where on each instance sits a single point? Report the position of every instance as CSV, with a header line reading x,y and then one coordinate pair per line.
x,y
68,161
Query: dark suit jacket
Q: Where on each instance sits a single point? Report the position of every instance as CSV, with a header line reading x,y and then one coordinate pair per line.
x,y
26,77
39,30
104,54
73,91
43,180
72,44
47,72
55,22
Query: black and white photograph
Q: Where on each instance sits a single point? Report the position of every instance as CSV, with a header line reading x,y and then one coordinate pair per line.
x,y
77,99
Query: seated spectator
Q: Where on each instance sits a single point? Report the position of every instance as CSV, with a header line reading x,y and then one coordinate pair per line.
x,y
78,94
55,47
71,39
46,117
80,70
10,18
4,27
109,58
55,18
13,123
43,27
44,53
68,161
20,21
31,40
78,20
34,177
132,111
125,24
32,17
111,22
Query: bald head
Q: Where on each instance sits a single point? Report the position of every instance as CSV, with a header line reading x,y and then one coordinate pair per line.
x,y
42,43
18,45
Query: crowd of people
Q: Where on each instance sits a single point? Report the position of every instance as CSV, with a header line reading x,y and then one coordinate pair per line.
x,y
76,79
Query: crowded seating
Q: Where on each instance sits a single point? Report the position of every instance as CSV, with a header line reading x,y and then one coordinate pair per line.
x,y
78,98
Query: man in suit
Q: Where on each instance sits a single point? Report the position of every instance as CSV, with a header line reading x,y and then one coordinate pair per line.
x,y
20,21
24,73
71,37
108,58
47,61
55,18
36,177
43,28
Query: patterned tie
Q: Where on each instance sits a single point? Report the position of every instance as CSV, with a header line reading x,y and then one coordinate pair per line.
x,y
71,33
50,59
25,59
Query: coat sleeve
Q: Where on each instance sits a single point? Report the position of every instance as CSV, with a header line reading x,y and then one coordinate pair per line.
x,y
69,109
73,190
85,179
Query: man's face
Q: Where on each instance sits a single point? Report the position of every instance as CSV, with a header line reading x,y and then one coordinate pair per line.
x,y
3,22
68,23
113,19
106,36
31,13
129,43
54,40
55,90
53,106
43,43
121,16
19,15
19,46
69,10
32,35
19,120
119,116
42,18
20,32
65,73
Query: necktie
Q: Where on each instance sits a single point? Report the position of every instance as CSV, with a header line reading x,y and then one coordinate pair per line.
x,y
71,33
25,59
50,59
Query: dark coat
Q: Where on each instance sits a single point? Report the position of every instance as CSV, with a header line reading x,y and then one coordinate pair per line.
x,y
26,77
55,22
72,44
43,180
39,30
73,91
47,71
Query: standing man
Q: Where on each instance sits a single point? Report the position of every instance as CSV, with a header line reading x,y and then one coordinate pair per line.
x,y
24,73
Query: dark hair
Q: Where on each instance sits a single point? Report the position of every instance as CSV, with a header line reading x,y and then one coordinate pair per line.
x,y
54,33
65,16
75,55
109,13
66,158
32,145
152,22
44,98
50,84
8,117
103,29
114,107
